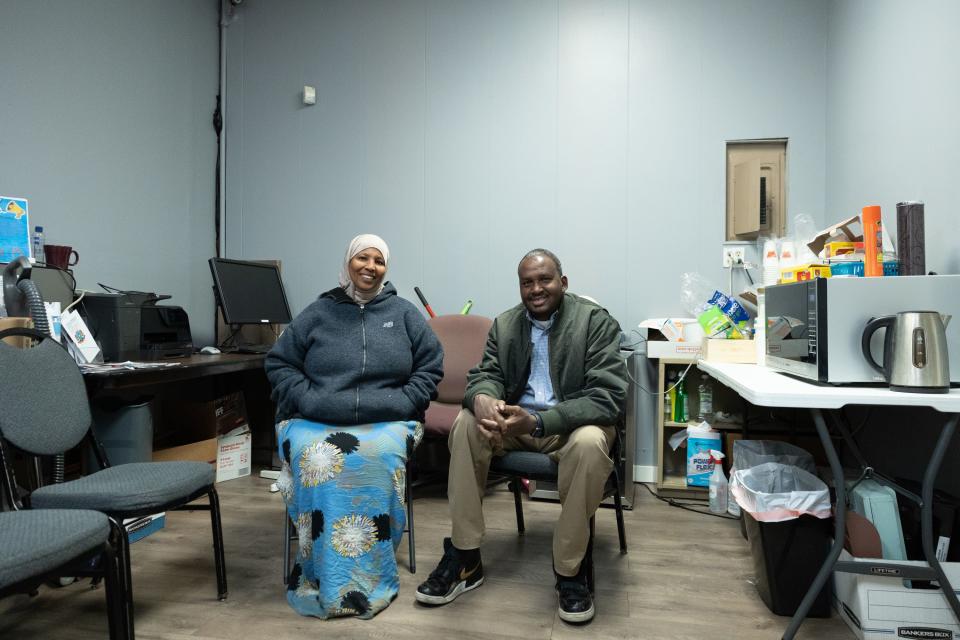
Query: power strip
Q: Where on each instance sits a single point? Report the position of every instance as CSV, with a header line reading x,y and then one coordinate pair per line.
x,y
270,474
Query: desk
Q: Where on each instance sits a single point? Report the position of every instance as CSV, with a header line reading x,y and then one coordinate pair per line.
x,y
190,367
242,372
765,387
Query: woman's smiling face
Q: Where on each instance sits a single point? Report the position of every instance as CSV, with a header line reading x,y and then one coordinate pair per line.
x,y
367,270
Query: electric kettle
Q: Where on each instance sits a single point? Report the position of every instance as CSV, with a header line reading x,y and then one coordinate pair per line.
x,y
914,351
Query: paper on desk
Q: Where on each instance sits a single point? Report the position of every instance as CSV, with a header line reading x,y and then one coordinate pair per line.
x,y
129,364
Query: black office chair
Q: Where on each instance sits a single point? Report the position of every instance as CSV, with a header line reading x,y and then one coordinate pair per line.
x,y
290,531
45,544
44,411
532,465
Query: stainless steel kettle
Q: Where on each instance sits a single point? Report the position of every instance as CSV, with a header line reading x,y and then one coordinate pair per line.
x,y
914,351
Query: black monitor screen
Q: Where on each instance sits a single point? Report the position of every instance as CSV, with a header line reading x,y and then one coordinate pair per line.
x,y
249,292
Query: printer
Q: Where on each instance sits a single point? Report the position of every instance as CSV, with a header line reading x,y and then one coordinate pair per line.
x,y
132,326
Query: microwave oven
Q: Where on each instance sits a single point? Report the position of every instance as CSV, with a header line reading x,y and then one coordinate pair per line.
x,y
814,327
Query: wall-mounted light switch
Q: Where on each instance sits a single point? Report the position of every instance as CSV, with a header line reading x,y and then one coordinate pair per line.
x,y
309,94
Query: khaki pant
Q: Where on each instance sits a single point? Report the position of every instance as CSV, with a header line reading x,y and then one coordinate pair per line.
x,y
584,466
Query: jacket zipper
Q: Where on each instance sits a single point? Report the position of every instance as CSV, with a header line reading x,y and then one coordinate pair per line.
x,y
363,364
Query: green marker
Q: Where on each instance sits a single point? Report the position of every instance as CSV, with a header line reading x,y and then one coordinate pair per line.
x,y
466,308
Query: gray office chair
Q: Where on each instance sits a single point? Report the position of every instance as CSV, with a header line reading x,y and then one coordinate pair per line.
x,y
44,411
290,532
49,543
532,465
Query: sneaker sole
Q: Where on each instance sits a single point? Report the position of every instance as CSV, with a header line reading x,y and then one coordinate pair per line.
x,y
459,590
582,616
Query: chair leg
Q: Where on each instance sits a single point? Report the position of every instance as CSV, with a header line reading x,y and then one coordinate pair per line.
x,y
618,506
588,556
287,536
120,625
515,483
218,556
410,539
123,571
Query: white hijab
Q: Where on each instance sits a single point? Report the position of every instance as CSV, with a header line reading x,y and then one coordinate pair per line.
x,y
358,244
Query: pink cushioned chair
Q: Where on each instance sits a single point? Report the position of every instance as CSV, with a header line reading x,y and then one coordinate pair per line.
x,y
463,338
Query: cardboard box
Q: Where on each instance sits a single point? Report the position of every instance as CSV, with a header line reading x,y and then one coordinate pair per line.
x,y
201,451
717,350
881,607
208,418
804,272
16,323
659,344
140,528
233,455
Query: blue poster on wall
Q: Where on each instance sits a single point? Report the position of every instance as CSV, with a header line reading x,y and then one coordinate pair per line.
x,y
14,228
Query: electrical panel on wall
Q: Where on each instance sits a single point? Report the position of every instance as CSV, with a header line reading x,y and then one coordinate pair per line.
x,y
756,199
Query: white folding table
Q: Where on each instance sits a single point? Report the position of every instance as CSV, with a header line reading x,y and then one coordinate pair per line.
x,y
768,388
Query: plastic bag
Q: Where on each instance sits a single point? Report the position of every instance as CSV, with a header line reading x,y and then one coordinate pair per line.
x,y
695,292
804,230
719,315
751,453
773,492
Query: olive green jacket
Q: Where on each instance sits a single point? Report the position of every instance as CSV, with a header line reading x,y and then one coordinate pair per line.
x,y
587,372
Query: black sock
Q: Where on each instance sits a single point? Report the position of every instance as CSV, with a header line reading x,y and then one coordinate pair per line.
x,y
469,557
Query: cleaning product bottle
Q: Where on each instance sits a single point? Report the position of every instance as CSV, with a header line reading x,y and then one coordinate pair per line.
x,y
671,400
718,484
680,403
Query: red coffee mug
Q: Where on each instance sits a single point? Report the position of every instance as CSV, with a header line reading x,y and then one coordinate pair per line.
x,y
59,256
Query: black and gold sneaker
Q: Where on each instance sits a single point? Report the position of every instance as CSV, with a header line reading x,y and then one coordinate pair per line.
x,y
459,571
575,599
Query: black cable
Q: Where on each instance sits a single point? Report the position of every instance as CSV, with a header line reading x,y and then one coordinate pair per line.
x,y
687,506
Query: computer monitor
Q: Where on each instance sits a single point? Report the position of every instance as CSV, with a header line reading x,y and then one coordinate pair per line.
x,y
249,292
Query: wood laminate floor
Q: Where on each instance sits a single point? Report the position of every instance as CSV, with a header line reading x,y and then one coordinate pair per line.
x,y
685,576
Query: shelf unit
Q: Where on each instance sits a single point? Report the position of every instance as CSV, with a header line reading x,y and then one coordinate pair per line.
x,y
672,465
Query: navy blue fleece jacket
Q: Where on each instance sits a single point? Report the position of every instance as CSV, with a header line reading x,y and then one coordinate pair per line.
x,y
342,363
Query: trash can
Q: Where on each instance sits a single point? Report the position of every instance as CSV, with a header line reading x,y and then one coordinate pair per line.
x,y
125,428
786,511
750,453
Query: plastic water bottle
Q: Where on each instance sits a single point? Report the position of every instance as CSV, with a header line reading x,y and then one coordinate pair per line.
x,y
705,391
38,256
718,485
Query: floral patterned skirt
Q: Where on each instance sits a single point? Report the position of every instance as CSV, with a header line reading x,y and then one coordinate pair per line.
x,y
345,492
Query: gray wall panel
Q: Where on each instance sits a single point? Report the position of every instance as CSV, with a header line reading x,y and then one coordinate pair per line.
x,y
107,131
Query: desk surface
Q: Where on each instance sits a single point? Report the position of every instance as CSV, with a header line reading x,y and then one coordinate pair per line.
x,y
767,388
195,366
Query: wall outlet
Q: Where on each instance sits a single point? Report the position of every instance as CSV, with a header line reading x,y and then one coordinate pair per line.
x,y
734,253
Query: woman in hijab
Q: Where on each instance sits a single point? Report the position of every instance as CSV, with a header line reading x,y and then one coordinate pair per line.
x,y
352,376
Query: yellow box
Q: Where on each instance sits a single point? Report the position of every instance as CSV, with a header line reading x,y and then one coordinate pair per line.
x,y
718,350
834,249
804,272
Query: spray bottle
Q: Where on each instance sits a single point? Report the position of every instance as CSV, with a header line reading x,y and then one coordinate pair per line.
x,y
718,484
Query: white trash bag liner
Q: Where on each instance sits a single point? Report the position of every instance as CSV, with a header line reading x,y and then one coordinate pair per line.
x,y
774,492
750,453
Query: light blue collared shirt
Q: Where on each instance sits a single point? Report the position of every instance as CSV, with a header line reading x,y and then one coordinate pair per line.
x,y
538,394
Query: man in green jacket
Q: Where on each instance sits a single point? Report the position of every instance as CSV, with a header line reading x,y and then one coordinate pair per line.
x,y
551,380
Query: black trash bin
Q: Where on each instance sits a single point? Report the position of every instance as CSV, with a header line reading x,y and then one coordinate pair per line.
x,y
786,558
787,514
125,428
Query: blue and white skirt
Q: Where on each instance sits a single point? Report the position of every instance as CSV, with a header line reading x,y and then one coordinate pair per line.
x,y
345,489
